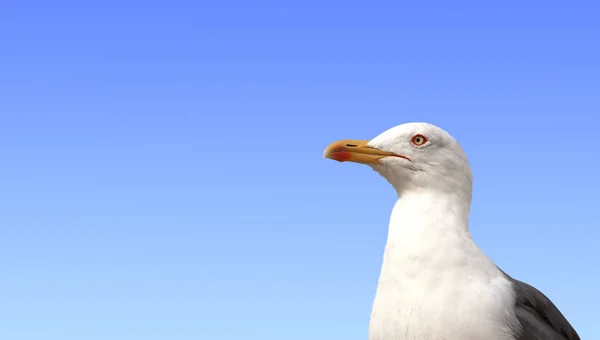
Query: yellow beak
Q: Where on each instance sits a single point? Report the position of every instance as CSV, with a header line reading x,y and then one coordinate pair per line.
x,y
355,151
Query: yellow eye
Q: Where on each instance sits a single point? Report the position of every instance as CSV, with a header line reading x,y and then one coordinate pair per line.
x,y
419,140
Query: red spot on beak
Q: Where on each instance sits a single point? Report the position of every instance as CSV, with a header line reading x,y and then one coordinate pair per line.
x,y
341,156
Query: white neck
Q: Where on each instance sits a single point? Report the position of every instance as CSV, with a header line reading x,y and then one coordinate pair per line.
x,y
431,273
421,216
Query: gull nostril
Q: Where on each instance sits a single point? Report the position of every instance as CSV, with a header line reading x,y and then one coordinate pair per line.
x,y
351,145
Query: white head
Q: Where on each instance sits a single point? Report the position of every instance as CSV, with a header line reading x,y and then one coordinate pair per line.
x,y
412,157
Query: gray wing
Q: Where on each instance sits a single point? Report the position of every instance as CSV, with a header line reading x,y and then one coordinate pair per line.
x,y
539,317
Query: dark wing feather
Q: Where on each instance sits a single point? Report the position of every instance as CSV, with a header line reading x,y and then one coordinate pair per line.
x,y
539,317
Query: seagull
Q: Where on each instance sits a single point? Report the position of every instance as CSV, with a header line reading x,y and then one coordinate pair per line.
x,y
435,282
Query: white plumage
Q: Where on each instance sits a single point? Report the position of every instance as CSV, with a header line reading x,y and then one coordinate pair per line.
x,y
435,282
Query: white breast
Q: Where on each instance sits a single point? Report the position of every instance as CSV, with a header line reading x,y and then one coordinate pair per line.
x,y
436,284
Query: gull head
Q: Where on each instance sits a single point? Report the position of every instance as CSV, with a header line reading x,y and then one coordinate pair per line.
x,y
412,157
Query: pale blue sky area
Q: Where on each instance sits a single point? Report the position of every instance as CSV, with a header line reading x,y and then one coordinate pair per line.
x,y
161,161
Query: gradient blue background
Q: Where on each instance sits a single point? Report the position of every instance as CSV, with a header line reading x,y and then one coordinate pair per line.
x,y
161,162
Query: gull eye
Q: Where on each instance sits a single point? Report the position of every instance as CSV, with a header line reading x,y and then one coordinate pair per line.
x,y
419,140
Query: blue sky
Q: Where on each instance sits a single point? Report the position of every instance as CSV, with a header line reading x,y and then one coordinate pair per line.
x,y
161,162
